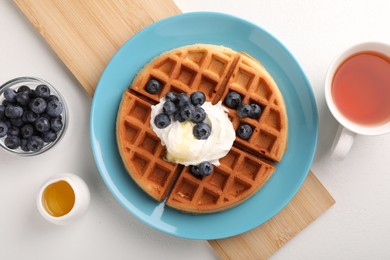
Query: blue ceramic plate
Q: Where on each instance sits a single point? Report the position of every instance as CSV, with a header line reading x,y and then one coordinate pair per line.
x,y
239,35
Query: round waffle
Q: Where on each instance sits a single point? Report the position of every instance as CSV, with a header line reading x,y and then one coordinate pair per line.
x,y
214,70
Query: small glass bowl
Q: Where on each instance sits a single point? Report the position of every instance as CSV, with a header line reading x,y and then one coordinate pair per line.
x,y
33,82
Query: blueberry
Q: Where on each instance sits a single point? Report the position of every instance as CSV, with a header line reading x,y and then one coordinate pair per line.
x,y
171,96
42,91
13,130
35,143
56,124
32,94
244,131
7,123
243,110
201,131
182,100
255,111
177,117
169,108
187,112
24,116
153,86
49,136
195,170
31,116
3,129
6,103
23,98
12,142
9,94
42,124
205,168
27,131
13,111
18,122
2,111
199,115
54,108
38,105
23,89
197,98
162,120
45,115
232,100
23,145
52,97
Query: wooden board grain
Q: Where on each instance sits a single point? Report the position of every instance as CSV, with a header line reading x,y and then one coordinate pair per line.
x,y
260,243
86,34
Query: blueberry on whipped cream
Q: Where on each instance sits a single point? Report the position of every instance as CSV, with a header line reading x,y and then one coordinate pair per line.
x,y
186,112
169,107
199,115
162,120
202,131
197,98
198,134
183,108
171,96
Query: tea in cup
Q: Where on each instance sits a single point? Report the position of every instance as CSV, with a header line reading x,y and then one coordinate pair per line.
x,y
357,92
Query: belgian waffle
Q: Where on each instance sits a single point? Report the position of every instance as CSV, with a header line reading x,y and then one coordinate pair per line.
x,y
198,67
239,176
141,150
214,70
255,85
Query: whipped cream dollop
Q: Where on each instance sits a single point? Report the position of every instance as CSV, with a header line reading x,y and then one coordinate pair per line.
x,y
184,148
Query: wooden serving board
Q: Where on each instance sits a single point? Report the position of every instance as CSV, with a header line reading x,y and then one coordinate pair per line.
x,y
86,34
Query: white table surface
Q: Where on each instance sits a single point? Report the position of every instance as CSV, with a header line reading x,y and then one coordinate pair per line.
x,y
356,227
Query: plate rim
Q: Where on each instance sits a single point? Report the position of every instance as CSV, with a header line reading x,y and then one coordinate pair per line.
x,y
312,151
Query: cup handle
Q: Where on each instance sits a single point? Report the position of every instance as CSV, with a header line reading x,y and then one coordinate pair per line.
x,y
342,143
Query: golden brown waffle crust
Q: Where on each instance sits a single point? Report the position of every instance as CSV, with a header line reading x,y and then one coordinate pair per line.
x,y
256,179
281,104
119,140
214,70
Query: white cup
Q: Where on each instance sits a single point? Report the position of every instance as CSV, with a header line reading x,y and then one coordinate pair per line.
x,y
348,129
81,199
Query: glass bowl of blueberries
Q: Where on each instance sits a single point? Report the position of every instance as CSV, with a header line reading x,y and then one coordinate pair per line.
x,y
33,116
